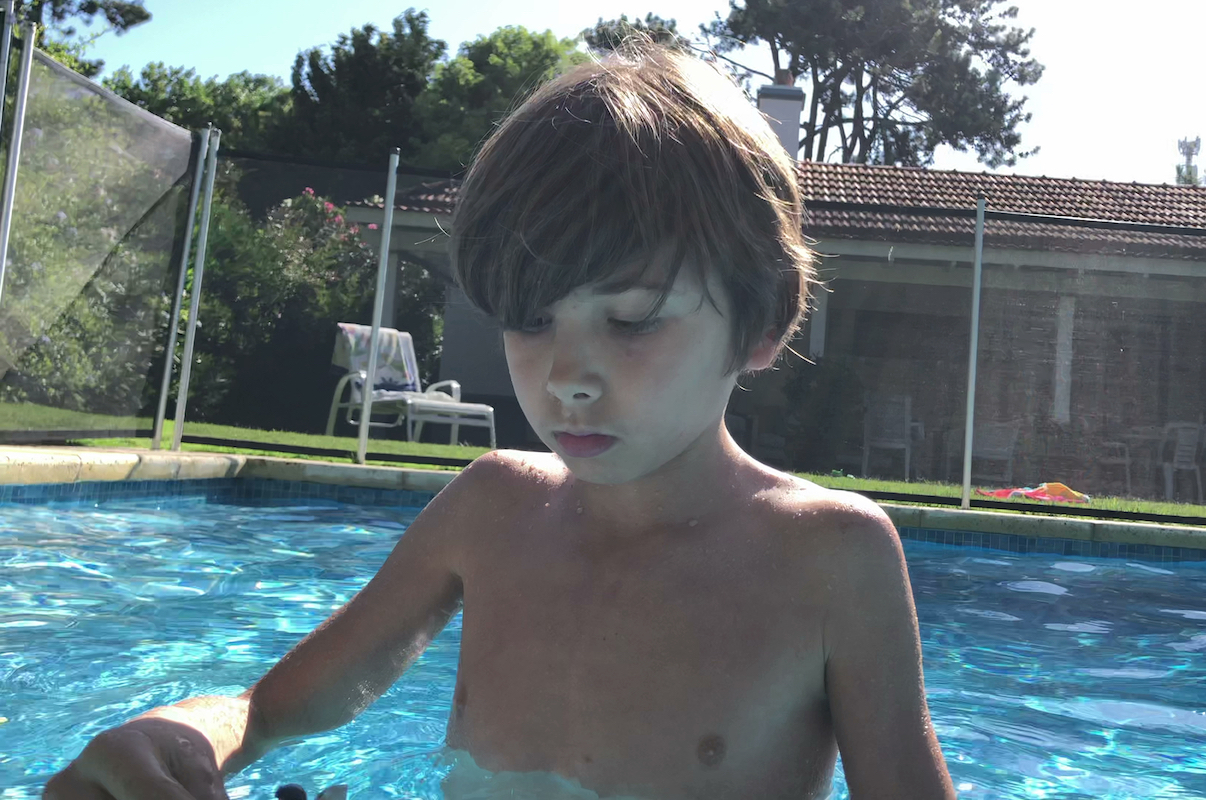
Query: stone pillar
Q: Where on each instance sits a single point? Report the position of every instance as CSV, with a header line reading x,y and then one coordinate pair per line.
x,y
1062,407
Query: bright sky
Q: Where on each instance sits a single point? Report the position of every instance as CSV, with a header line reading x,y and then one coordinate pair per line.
x,y
1122,83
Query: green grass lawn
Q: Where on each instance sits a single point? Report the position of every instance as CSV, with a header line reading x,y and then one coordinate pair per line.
x,y
954,490
14,416
29,417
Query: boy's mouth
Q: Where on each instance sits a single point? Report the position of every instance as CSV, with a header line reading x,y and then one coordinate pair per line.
x,y
586,446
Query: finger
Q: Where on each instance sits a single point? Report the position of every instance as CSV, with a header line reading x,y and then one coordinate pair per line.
x,y
125,764
67,785
198,775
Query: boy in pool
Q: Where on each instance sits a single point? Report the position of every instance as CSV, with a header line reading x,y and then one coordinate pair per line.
x,y
648,610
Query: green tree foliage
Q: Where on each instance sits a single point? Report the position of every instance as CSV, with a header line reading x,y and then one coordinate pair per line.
x,y
120,14
56,30
358,101
606,36
888,81
248,109
71,53
469,94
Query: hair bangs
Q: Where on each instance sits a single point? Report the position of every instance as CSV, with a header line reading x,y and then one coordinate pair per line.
x,y
628,168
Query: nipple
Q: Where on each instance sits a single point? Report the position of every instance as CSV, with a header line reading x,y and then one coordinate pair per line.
x,y
711,750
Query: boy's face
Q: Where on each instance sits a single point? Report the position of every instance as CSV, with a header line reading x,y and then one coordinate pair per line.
x,y
588,365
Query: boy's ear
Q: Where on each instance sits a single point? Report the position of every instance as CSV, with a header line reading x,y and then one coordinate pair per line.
x,y
764,353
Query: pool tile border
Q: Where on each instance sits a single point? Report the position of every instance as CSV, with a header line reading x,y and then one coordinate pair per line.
x,y
266,491
241,491
1015,543
1015,533
91,475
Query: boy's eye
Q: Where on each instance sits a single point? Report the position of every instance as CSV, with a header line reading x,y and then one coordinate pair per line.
x,y
636,327
535,324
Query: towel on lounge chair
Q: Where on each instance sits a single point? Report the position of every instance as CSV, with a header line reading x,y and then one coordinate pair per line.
x,y
1051,492
396,370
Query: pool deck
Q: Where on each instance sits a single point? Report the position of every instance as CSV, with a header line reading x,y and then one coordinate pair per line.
x,y
55,465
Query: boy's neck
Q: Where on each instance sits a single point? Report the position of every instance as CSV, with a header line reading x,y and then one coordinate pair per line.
x,y
700,481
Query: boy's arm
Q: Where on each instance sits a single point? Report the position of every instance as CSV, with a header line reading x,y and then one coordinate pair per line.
x,y
325,681
873,669
359,651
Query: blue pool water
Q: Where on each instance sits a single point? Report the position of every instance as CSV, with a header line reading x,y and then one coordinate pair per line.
x,y
1048,676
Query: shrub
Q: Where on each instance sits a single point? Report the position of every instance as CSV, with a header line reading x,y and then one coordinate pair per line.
x,y
272,295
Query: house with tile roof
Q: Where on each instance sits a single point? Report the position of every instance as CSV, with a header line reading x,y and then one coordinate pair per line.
x,y
1092,321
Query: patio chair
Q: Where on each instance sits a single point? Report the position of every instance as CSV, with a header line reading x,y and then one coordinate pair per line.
x,y
1117,454
996,441
1179,453
992,441
397,390
888,425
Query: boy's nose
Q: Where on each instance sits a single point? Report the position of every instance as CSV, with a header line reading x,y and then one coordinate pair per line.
x,y
571,379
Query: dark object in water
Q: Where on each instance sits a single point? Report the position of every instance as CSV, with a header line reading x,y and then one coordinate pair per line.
x,y
291,791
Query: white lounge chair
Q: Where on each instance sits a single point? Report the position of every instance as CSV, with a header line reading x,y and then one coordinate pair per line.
x,y
397,389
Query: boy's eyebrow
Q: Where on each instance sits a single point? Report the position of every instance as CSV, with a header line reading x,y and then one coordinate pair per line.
x,y
619,286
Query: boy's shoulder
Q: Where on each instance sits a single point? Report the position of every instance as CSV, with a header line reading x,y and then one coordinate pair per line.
x,y
523,466
512,475
830,521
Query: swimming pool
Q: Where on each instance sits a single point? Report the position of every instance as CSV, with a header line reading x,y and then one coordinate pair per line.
x,y
1048,676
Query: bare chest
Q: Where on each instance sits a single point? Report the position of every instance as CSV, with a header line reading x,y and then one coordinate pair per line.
x,y
693,660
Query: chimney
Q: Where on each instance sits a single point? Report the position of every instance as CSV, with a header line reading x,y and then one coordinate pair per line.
x,y
783,104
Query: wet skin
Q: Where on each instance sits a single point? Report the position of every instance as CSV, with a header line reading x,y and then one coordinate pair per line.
x,y
680,661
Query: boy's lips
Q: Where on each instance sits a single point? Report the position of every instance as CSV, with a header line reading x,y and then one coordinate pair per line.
x,y
586,445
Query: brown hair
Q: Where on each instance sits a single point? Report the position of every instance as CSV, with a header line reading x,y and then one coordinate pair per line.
x,y
613,164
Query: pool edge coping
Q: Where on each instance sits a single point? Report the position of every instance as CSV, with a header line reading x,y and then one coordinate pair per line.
x,y
23,464
49,465
1032,525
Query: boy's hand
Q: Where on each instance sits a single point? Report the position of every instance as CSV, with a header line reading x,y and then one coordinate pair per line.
x,y
145,759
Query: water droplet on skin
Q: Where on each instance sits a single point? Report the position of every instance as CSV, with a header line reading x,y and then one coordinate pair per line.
x,y
579,509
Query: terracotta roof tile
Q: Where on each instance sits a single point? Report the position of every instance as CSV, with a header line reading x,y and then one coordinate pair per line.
x,y
846,201
433,197
1163,204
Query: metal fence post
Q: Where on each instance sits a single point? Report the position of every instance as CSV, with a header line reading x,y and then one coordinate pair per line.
x,y
969,423
366,394
169,358
6,46
194,304
14,147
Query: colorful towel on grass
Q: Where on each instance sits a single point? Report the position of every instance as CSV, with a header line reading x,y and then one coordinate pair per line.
x,y
1051,492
